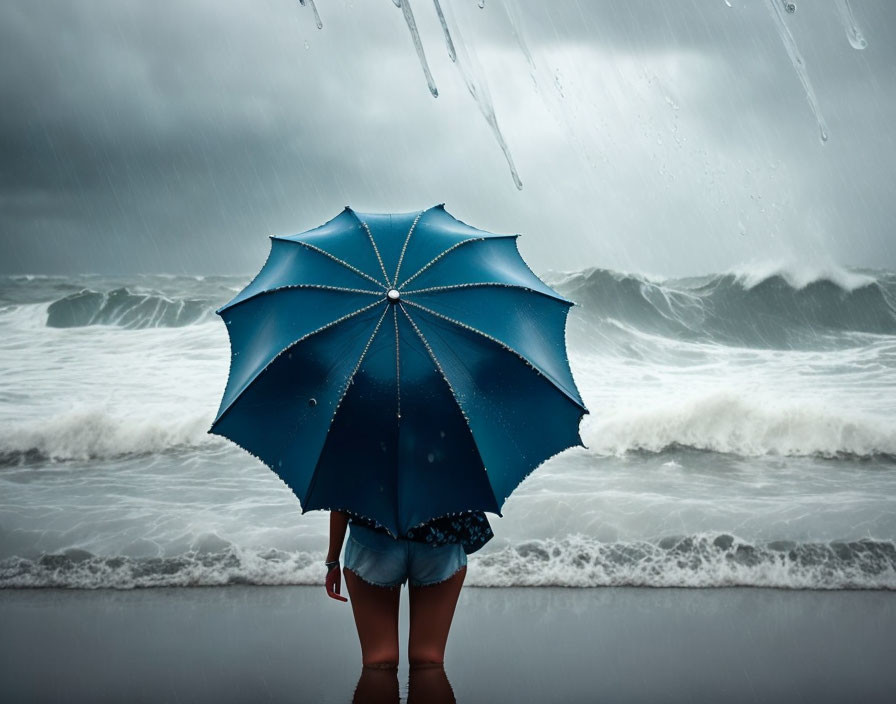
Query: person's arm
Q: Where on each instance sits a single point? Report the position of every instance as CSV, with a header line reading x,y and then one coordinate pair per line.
x,y
338,525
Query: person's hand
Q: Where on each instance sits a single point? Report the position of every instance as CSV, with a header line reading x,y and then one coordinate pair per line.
x,y
334,583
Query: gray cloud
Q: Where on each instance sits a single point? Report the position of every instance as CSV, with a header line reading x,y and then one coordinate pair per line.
x,y
668,137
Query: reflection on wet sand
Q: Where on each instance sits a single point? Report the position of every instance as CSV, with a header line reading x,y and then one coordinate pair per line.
x,y
426,684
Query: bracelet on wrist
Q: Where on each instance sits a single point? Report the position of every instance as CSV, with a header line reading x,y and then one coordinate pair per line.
x,y
331,564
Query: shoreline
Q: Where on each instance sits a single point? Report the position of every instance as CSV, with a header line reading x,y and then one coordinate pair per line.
x,y
519,644
466,588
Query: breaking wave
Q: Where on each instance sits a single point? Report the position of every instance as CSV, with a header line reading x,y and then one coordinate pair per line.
x,y
120,307
728,422
703,560
767,306
718,421
79,569
771,309
100,433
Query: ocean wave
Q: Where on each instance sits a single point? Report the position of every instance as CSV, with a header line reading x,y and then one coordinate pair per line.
x,y
719,421
122,308
96,432
768,305
79,569
799,275
773,308
703,560
728,422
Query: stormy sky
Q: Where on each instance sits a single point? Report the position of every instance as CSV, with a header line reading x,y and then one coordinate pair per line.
x,y
669,137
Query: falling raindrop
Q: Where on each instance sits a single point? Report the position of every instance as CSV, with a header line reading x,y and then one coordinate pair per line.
x,y
516,28
405,6
799,65
452,54
317,20
474,78
853,33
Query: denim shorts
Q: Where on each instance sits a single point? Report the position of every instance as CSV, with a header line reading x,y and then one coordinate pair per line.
x,y
383,561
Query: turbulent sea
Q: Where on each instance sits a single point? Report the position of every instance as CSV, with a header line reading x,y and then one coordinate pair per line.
x,y
742,432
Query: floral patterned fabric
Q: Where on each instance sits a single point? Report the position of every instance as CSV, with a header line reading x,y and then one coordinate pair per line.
x,y
471,529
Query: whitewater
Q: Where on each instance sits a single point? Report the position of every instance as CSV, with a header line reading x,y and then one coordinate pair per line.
x,y
742,432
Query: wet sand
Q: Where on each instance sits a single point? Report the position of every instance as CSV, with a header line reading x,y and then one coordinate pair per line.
x,y
293,644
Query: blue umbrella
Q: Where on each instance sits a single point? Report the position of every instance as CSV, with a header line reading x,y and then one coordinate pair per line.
x,y
399,367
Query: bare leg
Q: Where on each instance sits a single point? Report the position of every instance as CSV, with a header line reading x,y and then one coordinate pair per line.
x,y
432,609
376,617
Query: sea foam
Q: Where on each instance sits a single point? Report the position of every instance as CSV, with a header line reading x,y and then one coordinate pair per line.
x,y
738,423
97,431
702,560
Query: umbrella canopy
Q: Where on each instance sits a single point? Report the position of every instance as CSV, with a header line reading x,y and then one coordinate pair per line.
x,y
400,367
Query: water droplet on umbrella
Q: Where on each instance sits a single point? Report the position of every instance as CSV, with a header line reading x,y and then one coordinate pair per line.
x,y
431,458
312,402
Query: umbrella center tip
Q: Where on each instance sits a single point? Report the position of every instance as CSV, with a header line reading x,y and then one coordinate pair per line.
x,y
393,295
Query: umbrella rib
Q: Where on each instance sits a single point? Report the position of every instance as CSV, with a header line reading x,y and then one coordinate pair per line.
x,y
341,289
404,247
338,260
397,365
348,383
503,345
450,249
451,287
450,388
376,251
289,347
